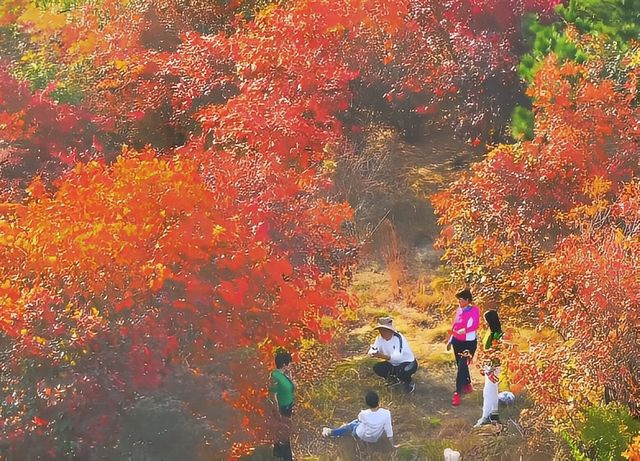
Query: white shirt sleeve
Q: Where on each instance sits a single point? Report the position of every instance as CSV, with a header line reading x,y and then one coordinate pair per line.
x,y
375,347
388,429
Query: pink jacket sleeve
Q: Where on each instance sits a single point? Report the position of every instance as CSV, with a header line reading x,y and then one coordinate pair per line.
x,y
473,322
470,321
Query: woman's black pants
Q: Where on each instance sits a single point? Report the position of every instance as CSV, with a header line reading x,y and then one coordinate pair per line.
x,y
463,378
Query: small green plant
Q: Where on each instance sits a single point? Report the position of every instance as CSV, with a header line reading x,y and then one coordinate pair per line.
x,y
522,123
605,433
434,421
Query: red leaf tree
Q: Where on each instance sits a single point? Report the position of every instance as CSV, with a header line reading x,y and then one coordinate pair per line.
x,y
550,227
170,273
131,275
39,135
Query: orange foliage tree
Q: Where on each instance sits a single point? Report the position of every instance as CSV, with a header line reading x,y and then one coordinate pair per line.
x,y
129,272
163,271
551,227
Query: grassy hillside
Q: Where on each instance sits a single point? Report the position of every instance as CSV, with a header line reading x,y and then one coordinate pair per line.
x,y
425,423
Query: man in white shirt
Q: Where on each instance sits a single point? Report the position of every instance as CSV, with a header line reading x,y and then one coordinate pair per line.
x,y
369,426
399,362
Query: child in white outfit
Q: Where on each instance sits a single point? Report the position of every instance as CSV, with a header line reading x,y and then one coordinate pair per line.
x,y
491,369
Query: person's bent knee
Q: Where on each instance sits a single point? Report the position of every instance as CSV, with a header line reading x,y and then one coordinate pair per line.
x,y
382,369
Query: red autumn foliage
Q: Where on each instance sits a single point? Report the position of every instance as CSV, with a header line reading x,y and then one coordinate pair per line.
x,y
551,227
150,267
38,134
171,273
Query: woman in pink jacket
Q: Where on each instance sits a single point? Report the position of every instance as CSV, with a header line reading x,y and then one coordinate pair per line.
x,y
464,341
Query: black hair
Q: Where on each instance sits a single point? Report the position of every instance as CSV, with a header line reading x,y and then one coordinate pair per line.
x,y
372,399
493,321
465,294
282,359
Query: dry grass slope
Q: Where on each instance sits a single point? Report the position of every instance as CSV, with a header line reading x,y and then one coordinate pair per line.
x,y
425,423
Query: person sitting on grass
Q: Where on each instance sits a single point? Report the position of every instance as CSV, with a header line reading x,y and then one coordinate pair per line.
x,y
369,426
399,362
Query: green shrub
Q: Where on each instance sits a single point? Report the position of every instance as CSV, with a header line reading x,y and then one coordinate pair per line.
x,y
522,123
605,433
618,20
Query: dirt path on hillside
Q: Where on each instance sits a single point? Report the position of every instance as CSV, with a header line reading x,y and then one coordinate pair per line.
x,y
390,195
425,422
389,192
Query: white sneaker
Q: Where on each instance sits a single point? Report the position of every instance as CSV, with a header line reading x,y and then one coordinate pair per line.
x,y
326,431
482,422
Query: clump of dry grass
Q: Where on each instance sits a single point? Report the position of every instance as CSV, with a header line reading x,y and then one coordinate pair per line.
x,y
440,333
430,294
371,288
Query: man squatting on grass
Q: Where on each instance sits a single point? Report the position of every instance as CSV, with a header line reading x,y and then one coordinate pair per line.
x,y
399,362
